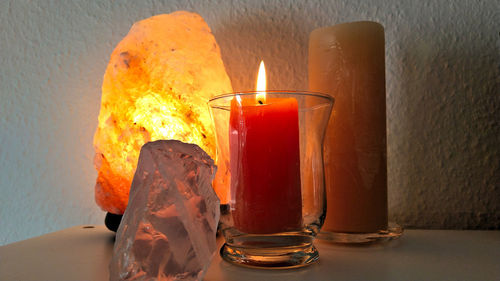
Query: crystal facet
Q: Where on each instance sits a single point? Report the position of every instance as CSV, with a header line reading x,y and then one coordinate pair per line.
x,y
168,229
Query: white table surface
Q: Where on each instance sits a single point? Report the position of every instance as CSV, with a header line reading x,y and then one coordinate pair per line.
x,y
80,253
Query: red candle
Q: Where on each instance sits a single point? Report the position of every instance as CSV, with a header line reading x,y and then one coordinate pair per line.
x,y
265,165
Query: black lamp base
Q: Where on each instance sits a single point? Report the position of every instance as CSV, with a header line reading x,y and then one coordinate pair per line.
x,y
112,221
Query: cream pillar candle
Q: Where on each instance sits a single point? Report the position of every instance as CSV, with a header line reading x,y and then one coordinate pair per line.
x,y
347,61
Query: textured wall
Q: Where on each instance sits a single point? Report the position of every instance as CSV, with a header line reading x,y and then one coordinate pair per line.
x,y
442,61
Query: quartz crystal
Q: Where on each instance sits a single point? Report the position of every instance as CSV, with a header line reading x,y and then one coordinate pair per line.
x,y
168,229
156,86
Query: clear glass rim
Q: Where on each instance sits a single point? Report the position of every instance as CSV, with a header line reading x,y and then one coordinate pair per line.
x,y
298,93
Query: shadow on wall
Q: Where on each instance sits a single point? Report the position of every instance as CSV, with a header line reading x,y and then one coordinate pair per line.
x,y
278,38
444,134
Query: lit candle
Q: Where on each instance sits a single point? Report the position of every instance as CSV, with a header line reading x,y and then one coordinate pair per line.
x,y
347,61
265,163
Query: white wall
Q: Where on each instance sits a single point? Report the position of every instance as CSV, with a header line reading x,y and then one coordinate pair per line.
x,y
443,100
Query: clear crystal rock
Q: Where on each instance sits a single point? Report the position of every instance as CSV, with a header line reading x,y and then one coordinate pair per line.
x,y
168,229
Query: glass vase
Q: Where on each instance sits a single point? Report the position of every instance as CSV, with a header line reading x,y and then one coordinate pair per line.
x,y
270,161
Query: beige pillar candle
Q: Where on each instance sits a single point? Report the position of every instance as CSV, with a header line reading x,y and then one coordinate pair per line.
x,y
347,62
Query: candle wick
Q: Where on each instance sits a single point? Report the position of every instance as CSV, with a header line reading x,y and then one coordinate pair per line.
x,y
261,102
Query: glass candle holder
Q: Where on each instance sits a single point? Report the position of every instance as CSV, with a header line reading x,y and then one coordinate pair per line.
x,y
270,157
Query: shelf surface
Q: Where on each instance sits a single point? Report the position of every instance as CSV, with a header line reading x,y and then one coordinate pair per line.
x,y
84,252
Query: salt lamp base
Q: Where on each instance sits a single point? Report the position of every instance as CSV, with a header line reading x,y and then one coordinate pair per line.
x,y
392,232
112,221
266,257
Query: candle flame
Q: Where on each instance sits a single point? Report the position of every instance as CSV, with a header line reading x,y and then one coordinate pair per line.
x,y
261,83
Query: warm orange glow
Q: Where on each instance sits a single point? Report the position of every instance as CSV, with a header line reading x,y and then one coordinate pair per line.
x,y
261,83
156,86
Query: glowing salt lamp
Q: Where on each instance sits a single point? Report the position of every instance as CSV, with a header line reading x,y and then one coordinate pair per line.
x,y
156,86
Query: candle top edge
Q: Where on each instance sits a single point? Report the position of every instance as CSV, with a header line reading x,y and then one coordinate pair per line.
x,y
376,26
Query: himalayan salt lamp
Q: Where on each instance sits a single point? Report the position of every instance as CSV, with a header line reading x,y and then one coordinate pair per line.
x,y
347,61
156,86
